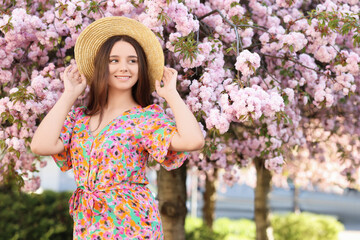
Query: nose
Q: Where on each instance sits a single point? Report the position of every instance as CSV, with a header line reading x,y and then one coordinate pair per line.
x,y
123,66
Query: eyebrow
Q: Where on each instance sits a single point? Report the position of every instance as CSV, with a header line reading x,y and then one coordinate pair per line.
x,y
131,56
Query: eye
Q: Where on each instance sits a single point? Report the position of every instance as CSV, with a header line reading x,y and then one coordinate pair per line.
x,y
133,61
113,60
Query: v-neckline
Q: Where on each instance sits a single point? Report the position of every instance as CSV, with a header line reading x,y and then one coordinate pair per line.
x,y
108,124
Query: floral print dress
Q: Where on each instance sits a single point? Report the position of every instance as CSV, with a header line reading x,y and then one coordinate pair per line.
x,y
112,200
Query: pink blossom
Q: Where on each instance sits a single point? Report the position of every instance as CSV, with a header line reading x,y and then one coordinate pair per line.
x,y
192,3
237,10
274,164
184,22
287,4
294,40
325,54
32,184
247,62
13,90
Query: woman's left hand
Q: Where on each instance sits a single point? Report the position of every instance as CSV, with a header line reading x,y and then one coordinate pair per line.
x,y
169,83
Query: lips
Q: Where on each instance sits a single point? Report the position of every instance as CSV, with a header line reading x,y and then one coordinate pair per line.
x,y
122,77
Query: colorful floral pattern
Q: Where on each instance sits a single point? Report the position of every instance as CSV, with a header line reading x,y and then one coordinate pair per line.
x,y
112,200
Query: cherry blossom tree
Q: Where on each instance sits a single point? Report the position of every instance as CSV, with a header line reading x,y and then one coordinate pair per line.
x,y
269,81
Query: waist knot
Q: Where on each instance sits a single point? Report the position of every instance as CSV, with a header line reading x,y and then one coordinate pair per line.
x,y
94,199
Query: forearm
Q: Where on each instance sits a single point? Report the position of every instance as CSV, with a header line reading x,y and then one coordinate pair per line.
x,y
188,128
46,138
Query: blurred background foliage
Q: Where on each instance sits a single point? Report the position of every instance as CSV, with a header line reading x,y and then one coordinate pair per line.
x,y
33,216
44,216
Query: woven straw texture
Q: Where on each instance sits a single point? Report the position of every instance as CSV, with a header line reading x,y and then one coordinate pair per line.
x,y
94,35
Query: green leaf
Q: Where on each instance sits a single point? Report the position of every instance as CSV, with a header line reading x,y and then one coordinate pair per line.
x,y
7,26
263,131
187,46
334,23
159,35
233,4
346,28
78,27
291,48
229,49
19,125
290,120
2,144
61,10
286,99
11,118
42,47
309,21
262,117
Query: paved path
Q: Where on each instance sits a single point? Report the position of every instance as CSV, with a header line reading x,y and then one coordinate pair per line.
x,y
349,235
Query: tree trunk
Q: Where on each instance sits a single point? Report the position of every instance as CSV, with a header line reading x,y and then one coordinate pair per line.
x,y
210,199
262,189
296,204
172,202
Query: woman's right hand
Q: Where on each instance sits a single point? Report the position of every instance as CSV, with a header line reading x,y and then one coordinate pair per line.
x,y
74,82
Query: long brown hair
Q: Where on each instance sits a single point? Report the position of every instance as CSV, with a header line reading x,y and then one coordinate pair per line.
x,y
98,94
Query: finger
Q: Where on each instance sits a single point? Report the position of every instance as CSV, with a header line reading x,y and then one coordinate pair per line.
x,y
165,76
168,73
173,71
157,85
67,73
165,79
77,75
83,78
67,69
70,76
167,70
74,70
78,79
169,76
74,75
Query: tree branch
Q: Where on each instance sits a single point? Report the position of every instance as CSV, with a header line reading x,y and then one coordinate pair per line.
x,y
238,40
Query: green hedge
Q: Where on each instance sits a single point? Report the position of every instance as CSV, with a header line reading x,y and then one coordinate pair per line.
x,y
285,227
35,216
45,216
305,226
224,229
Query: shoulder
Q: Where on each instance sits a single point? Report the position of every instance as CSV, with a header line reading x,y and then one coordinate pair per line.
x,y
153,110
77,112
154,115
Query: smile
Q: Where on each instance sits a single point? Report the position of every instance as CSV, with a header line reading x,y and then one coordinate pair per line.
x,y
122,77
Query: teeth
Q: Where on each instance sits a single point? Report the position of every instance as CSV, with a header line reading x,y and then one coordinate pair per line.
x,y
123,78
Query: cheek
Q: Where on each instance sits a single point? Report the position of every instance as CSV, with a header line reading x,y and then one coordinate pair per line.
x,y
135,70
111,68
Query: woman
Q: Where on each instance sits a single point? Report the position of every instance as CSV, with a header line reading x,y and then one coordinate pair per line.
x,y
109,141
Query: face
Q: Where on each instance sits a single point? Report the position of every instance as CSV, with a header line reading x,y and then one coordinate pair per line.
x,y
123,67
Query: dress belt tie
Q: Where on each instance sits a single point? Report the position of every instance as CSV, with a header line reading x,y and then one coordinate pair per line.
x,y
96,195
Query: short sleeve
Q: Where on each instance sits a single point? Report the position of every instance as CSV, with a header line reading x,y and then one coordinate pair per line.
x,y
157,130
63,159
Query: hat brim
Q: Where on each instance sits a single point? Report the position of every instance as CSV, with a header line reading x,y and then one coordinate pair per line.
x,y
94,35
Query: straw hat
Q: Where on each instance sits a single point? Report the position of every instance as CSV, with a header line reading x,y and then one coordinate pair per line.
x,y
94,35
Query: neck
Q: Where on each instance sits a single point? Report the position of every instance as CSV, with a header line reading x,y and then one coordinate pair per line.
x,y
120,100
